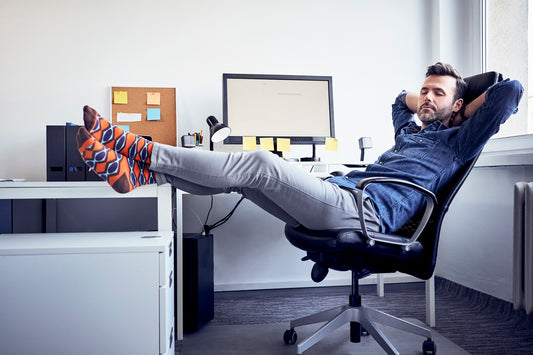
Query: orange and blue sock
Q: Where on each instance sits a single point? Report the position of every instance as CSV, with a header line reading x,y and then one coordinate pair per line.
x,y
121,173
115,138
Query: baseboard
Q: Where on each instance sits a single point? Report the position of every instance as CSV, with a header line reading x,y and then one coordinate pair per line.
x,y
370,280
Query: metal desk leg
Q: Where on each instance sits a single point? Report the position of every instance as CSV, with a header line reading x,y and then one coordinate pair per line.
x,y
380,284
430,302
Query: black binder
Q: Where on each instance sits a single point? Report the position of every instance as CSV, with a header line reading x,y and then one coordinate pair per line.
x,y
63,160
55,153
75,166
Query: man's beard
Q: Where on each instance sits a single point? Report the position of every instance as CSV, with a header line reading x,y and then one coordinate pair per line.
x,y
429,117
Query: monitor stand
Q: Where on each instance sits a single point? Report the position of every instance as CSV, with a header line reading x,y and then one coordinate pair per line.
x,y
276,151
314,157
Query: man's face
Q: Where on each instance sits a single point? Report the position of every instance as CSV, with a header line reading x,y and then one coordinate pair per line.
x,y
436,100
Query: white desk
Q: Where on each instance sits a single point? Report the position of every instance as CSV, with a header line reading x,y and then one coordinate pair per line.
x,y
86,189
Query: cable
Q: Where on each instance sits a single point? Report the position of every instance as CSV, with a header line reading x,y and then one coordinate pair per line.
x,y
208,228
208,213
200,222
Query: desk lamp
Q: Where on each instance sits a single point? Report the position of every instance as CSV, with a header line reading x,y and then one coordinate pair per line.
x,y
217,131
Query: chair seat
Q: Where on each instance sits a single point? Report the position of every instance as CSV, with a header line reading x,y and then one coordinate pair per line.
x,y
348,240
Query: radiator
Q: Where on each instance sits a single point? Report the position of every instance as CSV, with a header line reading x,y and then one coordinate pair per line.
x,y
523,247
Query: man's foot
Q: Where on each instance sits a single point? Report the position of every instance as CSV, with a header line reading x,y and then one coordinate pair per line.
x,y
121,173
115,138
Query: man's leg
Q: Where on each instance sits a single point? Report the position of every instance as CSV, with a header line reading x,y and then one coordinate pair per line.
x,y
283,190
256,197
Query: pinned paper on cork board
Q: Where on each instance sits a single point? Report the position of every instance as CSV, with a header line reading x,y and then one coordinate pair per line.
x,y
148,111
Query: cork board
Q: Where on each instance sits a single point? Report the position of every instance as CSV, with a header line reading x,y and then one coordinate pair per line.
x,y
146,111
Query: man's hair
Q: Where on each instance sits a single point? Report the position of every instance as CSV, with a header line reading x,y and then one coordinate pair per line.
x,y
446,69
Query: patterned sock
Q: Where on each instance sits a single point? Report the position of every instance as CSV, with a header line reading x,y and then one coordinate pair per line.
x,y
113,137
121,173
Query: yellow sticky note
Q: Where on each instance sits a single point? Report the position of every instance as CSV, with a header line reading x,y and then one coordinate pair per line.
x,y
284,144
248,143
120,97
153,98
331,144
266,143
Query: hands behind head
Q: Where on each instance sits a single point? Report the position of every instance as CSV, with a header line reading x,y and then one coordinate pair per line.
x,y
457,118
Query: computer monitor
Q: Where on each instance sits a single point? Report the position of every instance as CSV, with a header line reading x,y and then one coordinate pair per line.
x,y
297,107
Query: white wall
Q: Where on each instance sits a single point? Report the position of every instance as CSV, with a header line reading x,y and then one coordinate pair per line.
x,y
372,50
60,55
476,248
476,245
358,43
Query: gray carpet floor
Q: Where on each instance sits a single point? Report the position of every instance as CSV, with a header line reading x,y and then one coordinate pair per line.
x,y
266,339
477,323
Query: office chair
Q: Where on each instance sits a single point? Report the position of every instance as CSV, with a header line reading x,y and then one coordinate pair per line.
x,y
411,250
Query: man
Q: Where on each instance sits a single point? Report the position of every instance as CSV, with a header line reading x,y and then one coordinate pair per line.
x,y
428,155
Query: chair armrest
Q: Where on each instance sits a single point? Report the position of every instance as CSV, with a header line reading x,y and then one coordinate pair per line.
x,y
373,237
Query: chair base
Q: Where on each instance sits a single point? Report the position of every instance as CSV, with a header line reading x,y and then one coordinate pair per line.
x,y
366,317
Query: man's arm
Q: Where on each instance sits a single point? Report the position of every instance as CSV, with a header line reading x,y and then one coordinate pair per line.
x,y
402,114
411,100
474,105
488,112
468,111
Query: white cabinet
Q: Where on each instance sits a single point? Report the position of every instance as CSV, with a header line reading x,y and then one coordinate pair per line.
x,y
87,293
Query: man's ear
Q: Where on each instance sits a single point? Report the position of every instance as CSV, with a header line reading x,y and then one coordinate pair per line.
x,y
458,117
458,104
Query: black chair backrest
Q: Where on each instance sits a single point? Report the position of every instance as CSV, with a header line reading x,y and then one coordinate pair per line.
x,y
424,266
478,84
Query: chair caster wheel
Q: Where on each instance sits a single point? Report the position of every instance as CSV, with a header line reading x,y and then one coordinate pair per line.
x,y
429,347
290,336
319,272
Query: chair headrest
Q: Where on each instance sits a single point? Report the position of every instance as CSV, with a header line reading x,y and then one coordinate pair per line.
x,y
478,84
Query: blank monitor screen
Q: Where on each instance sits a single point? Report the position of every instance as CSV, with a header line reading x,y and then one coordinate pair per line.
x,y
288,106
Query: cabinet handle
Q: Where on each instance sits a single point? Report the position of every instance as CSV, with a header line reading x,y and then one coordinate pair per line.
x,y
171,337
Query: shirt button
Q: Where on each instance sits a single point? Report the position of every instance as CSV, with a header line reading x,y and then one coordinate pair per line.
x,y
396,151
381,162
420,140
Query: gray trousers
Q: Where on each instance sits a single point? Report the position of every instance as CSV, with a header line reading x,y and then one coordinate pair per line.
x,y
282,189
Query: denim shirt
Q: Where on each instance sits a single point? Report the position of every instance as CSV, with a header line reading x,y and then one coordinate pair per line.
x,y
431,156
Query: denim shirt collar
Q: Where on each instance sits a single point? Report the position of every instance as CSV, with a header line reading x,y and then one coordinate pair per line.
x,y
413,128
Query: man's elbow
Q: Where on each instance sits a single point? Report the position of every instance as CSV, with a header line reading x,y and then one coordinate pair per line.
x,y
507,93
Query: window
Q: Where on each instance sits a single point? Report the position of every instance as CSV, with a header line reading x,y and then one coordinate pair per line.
x,y
506,40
